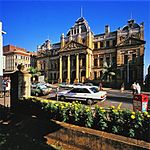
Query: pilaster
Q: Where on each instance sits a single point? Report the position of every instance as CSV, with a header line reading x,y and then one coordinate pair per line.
x,y
68,69
77,67
87,66
60,69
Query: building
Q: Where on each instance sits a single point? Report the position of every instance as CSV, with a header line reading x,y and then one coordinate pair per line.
x,y
81,54
15,56
33,59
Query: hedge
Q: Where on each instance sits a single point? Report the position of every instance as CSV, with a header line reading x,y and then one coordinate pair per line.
x,y
114,120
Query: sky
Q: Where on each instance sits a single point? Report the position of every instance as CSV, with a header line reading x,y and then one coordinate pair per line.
x,y
29,23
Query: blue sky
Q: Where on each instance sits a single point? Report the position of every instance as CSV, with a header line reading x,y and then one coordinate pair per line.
x,y
30,23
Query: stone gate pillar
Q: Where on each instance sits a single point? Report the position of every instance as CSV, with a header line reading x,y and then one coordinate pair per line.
x,y
20,86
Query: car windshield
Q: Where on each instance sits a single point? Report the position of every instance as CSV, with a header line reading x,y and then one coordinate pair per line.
x,y
94,89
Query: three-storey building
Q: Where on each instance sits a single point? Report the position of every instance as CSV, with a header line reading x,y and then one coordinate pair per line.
x,y
81,54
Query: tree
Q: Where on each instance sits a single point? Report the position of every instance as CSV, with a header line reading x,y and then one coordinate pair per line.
x,y
34,72
108,71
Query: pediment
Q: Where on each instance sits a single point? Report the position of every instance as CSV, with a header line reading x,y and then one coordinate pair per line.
x,y
131,41
72,46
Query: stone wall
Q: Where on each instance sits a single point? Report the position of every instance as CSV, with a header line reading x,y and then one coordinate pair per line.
x,y
80,138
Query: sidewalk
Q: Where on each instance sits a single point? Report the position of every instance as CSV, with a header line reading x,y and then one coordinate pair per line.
x,y
125,91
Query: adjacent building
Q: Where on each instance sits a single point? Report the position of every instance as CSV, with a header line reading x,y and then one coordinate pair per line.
x,y
15,56
80,54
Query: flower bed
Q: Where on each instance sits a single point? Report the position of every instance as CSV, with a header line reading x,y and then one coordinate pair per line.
x,y
112,120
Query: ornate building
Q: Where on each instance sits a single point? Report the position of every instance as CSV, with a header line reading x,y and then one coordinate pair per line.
x,y
81,55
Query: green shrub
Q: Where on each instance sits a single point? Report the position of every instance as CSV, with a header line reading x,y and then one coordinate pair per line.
x,y
114,120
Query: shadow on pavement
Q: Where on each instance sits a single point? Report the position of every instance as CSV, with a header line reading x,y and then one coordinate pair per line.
x,y
26,133
121,99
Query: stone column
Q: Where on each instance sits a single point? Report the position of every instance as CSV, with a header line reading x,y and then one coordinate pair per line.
x,y
60,69
110,59
90,64
68,69
98,61
77,67
87,66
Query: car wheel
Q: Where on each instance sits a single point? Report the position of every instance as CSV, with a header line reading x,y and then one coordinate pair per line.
x,y
62,98
89,101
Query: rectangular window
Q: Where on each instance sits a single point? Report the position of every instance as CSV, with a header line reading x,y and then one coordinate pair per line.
x,y
95,45
125,59
113,60
114,42
95,61
108,60
95,74
133,58
101,61
101,44
107,43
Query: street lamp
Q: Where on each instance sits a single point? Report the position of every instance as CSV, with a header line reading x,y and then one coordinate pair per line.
x,y
128,71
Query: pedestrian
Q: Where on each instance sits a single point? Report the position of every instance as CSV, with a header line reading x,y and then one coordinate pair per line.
x,y
133,87
122,87
138,88
100,86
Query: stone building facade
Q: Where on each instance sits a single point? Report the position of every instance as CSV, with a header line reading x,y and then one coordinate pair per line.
x,y
81,54
15,56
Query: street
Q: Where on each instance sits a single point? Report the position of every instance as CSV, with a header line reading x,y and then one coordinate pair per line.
x,y
114,98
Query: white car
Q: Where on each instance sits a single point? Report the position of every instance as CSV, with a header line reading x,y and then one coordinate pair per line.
x,y
83,93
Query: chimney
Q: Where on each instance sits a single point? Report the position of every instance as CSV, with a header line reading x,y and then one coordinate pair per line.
x,y
107,29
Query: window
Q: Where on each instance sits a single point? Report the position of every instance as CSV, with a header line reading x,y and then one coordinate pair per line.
x,y
125,59
101,61
83,62
84,90
133,58
74,31
95,61
113,60
95,45
95,75
94,90
108,60
83,41
74,90
114,42
54,75
107,43
101,44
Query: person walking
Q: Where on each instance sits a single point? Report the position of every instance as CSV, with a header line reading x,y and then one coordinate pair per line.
x,y
100,86
122,87
138,88
133,87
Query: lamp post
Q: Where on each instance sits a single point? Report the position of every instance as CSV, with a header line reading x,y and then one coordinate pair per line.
x,y
128,69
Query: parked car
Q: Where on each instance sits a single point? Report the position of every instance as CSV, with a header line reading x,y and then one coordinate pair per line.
x,y
88,84
38,90
83,93
58,91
